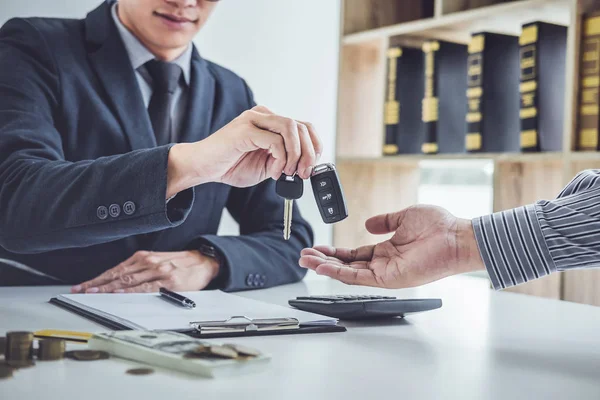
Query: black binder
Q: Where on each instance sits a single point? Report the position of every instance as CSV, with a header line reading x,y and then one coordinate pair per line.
x,y
404,129
493,95
445,101
300,329
543,49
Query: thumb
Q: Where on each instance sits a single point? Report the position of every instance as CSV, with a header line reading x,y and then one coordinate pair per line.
x,y
385,223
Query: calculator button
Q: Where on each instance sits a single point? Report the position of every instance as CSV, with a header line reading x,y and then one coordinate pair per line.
x,y
324,183
326,197
331,210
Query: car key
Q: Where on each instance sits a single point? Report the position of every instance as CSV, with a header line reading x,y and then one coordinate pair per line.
x,y
290,188
328,193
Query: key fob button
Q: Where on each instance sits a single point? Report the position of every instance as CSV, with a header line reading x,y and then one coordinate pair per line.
x,y
326,197
324,183
331,211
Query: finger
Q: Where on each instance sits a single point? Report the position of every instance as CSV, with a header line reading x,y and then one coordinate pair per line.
x,y
322,256
131,280
138,262
288,129
385,223
274,143
363,253
126,267
312,262
146,287
262,109
312,252
348,275
308,157
314,137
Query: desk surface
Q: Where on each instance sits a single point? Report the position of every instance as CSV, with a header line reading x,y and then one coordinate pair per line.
x,y
480,345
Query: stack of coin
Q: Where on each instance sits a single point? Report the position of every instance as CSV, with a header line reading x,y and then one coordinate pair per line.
x,y
50,349
87,355
2,345
5,371
212,351
230,351
243,351
19,349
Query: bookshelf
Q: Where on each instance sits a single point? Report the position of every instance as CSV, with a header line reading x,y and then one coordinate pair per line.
x,y
376,184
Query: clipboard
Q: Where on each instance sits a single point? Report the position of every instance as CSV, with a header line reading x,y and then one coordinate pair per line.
x,y
236,326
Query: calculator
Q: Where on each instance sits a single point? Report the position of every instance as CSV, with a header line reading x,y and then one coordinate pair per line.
x,y
363,306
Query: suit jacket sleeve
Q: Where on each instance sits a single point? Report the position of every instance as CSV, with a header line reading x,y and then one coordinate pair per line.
x,y
259,257
46,202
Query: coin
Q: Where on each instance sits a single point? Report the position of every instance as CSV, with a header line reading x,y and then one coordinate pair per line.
x,y
16,364
243,350
87,355
222,351
19,346
140,371
5,371
214,351
50,349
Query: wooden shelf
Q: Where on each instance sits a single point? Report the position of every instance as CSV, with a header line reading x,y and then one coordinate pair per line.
x,y
584,156
501,18
509,157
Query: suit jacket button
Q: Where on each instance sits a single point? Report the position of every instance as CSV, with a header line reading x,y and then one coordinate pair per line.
x,y
129,207
250,280
114,210
257,280
263,279
102,212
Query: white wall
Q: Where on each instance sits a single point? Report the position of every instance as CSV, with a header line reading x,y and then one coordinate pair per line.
x,y
286,50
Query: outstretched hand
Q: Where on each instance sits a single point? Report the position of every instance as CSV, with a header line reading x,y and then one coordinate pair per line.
x,y
429,243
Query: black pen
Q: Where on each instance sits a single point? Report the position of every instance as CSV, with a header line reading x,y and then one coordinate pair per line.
x,y
176,298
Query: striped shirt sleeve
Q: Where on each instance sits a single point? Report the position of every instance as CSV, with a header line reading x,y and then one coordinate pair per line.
x,y
536,240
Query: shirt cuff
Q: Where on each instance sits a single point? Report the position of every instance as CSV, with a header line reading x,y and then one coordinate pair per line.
x,y
512,246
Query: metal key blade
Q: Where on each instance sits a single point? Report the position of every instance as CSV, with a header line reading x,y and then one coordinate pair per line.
x,y
287,218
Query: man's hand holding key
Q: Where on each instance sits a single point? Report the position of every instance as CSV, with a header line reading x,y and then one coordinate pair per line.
x,y
253,147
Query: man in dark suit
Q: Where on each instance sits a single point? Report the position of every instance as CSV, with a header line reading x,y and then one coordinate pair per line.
x,y
120,147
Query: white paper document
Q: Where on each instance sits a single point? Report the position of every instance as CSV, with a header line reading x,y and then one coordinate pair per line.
x,y
148,311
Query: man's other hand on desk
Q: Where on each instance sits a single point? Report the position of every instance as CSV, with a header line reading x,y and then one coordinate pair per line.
x,y
428,244
148,271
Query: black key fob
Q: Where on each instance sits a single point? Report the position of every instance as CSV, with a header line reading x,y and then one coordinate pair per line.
x,y
328,193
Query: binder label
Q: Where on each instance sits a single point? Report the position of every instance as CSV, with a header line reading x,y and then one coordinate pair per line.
x,y
528,63
430,109
588,138
390,149
392,107
476,44
474,92
529,35
429,104
530,112
592,26
589,83
528,87
528,138
429,148
473,141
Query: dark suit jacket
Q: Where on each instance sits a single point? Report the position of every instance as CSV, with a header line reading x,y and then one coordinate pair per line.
x,y
75,137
